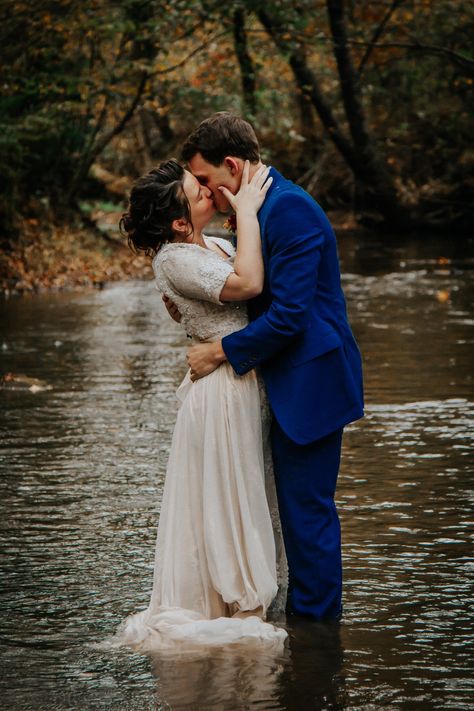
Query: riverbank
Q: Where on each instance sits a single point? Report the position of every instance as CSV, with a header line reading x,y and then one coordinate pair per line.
x,y
88,254
68,257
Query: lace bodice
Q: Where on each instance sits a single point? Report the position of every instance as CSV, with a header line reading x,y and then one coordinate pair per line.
x,y
193,277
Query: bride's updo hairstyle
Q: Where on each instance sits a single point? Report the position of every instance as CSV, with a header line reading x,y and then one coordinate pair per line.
x,y
156,199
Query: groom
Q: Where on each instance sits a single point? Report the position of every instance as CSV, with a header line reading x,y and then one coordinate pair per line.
x,y
300,338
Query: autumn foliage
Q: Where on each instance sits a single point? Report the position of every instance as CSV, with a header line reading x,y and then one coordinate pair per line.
x,y
368,105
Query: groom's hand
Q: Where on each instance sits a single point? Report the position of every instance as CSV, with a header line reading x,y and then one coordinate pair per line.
x,y
204,358
172,309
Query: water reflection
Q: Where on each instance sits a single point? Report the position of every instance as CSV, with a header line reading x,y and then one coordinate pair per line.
x,y
314,677
82,475
232,678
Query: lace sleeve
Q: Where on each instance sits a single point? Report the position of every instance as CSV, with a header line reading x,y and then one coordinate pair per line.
x,y
193,271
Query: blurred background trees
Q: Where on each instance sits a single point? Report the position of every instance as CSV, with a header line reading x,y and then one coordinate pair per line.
x,y
367,104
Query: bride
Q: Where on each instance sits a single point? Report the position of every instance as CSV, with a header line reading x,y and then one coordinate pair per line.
x,y
220,560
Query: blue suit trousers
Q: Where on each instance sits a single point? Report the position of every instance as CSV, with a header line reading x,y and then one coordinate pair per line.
x,y
306,477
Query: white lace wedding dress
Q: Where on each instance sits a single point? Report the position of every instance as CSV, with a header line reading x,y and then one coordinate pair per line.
x,y
220,561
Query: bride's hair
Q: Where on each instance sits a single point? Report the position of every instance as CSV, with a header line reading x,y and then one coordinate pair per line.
x,y
156,199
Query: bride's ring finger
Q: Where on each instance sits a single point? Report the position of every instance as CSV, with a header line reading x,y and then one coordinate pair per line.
x,y
262,174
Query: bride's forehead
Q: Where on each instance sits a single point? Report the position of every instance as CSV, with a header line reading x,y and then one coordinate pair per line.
x,y
190,182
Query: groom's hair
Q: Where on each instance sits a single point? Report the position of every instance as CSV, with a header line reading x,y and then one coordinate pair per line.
x,y
221,135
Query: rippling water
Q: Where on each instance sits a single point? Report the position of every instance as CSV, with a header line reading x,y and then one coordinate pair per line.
x,y
82,473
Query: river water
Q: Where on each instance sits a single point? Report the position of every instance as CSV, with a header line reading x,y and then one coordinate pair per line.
x,y
82,470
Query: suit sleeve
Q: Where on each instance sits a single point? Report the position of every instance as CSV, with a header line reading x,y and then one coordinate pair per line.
x,y
296,238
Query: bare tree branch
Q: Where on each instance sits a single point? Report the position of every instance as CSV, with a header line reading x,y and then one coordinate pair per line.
x,y
118,128
459,59
377,34
96,150
195,51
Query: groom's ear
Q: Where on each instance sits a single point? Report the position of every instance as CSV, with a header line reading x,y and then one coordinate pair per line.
x,y
232,164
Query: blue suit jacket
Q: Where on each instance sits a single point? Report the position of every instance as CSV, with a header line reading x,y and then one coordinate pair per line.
x,y
298,331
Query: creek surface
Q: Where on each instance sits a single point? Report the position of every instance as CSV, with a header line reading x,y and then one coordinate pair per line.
x,y
83,466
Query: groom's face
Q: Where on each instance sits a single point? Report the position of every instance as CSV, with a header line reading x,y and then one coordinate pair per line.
x,y
228,175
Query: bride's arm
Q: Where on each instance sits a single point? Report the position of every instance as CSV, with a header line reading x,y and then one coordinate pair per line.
x,y
247,279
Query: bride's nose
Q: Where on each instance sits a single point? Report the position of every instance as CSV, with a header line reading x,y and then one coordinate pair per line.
x,y
208,192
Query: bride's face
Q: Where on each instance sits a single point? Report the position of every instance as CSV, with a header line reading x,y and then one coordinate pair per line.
x,y
200,201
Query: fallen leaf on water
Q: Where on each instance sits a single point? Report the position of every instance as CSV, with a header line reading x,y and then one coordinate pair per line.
x,y
442,296
13,381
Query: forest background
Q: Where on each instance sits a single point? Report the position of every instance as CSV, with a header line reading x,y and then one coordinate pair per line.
x,y
368,105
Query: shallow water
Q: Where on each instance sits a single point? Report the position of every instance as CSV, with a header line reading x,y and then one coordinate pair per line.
x,y
82,473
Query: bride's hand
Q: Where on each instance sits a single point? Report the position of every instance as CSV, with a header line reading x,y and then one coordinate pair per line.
x,y
251,193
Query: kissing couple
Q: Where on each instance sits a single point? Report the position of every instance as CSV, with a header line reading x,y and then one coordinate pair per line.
x,y
248,527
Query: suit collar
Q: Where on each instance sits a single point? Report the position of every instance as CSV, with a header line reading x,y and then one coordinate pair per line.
x,y
277,177
278,181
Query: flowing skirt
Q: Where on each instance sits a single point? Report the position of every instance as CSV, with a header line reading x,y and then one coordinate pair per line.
x,y
215,569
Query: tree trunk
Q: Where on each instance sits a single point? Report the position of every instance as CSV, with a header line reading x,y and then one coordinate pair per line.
x,y
374,186
308,149
247,70
376,180
162,122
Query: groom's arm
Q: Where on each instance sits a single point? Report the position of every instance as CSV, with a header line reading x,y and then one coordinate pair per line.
x,y
296,237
